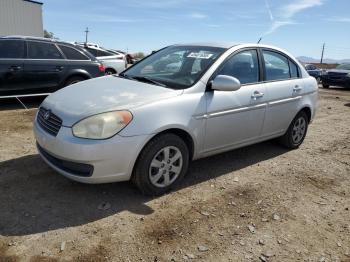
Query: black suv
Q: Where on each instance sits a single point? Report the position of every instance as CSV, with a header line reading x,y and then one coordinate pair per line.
x,y
340,76
40,65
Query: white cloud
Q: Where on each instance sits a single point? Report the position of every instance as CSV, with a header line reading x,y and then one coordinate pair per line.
x,y
269,10
286,13
197,15
339,19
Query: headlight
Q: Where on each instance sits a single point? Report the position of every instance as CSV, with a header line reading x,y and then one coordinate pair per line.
x,y
103,125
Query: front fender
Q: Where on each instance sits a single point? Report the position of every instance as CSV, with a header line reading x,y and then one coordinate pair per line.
x,y
172,113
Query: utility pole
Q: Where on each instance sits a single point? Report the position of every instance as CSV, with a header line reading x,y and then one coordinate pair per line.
x,y
86,35
322,53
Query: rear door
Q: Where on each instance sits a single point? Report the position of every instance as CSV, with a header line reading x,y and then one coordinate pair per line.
x,y
44,67
284,90
12,53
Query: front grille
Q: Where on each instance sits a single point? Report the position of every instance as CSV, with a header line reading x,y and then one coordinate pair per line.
x,y
77,169
49,121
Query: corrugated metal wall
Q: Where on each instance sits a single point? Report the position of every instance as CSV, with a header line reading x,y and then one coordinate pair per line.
x,y
18,17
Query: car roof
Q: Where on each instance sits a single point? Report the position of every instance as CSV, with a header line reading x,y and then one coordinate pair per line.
x,y
42,39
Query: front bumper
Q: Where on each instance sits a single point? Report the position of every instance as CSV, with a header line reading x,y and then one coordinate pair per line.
x,y
89,161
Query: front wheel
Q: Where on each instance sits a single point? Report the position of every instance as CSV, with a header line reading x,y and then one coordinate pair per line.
x,y
296,132
161,165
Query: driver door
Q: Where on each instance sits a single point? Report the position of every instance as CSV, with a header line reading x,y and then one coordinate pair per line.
x,y
237,117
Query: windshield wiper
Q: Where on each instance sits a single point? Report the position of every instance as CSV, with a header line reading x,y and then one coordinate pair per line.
x,y
143,79
147,79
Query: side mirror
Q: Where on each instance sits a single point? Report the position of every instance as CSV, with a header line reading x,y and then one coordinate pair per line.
x,y
225,83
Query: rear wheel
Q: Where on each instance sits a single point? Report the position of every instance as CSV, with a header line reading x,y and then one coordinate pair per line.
x,y
296,132
161,165
73,80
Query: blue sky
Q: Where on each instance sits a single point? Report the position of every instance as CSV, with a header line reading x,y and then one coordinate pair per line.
x,y
299,26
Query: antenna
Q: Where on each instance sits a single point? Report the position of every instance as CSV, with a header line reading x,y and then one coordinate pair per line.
x,y
259,40
86,35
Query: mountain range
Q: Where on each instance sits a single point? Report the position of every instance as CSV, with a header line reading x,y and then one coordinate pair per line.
x,y
306,59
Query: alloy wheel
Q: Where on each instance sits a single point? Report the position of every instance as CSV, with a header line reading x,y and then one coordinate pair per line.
x,y
299,130
165,166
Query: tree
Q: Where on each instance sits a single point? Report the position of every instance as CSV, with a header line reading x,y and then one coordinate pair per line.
x,y
139,55
50,35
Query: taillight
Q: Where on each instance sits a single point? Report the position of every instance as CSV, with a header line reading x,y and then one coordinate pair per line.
x,y
102,68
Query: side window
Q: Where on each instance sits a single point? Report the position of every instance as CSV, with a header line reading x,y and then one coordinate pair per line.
x,y
72,54
244,66
40,50
293,70
92,51
104,53
11,49
276,66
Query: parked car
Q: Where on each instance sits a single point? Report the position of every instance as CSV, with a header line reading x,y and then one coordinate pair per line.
x,y
314,71
113,61
340,76
147,124
31,65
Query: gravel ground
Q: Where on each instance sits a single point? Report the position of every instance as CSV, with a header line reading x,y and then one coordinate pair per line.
x,y
259,203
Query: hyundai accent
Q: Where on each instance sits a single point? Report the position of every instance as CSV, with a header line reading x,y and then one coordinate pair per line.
x,y
181,103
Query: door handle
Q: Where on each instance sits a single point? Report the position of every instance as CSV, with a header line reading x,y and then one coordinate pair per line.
x,y
15,68
59,68
257,95
297,88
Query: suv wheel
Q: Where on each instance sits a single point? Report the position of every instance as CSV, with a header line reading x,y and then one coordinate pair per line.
x,y
161,165
73,80
296,132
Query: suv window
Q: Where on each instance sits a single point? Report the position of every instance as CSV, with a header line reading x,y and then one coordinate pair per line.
x,y
92,51
40,50
276,66
104,53
244,66
11,49
310,67
72,54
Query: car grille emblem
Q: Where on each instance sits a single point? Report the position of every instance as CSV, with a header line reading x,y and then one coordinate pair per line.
x,y
47,115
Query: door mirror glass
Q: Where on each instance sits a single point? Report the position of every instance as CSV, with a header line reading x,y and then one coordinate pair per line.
x,y
225,83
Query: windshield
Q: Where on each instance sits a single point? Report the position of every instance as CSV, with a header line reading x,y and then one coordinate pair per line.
x,y
344,67
176,67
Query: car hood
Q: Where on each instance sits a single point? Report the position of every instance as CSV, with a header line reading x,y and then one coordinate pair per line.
x,y
103,94
339,71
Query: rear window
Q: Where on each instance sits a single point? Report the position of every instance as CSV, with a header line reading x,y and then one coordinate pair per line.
x,y
40,50
72,54
293,70
11,49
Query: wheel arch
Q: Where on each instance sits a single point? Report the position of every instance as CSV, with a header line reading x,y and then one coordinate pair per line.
x,y
307,111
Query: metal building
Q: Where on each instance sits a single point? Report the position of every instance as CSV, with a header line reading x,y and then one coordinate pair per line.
x,y
21,17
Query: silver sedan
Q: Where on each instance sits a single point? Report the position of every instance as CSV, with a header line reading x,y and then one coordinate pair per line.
x,y
179,104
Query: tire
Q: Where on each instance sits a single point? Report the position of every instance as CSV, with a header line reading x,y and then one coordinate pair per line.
x,y
295,134
155,175
325,85
73,80
110,71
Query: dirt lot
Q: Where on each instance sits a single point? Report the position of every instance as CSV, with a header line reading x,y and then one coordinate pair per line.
x,y
257,203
